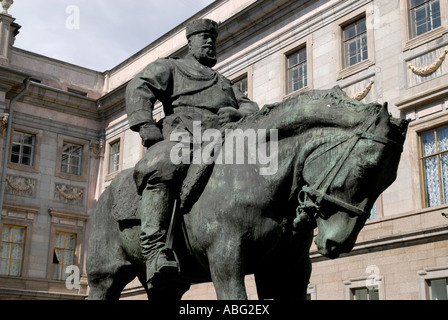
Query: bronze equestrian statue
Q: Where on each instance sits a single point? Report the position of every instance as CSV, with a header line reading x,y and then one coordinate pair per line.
x,y
174,224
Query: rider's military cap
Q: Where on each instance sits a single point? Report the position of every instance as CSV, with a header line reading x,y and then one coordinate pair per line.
x,y
202,25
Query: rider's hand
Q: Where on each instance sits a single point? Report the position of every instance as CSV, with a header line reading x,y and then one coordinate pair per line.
x,y
228,114
150,134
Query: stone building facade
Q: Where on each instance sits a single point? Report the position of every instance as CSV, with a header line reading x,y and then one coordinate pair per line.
x,y
69,137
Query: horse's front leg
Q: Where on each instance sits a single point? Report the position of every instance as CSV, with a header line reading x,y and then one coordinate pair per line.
x,y
227,270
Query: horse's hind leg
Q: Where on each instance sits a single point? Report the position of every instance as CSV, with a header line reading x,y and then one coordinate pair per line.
x,y
227,270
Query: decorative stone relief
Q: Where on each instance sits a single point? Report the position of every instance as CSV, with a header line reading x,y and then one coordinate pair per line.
x,y
20,186
426,70
6,4
427,66
3,122
363,93
69,194
97,148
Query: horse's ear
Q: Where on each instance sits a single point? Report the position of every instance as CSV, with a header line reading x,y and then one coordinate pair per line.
x,y
401,126
385,106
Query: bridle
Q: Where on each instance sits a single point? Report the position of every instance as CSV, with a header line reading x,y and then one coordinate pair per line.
x,y
312,198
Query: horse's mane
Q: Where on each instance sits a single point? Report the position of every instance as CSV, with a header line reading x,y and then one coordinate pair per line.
x,y
335,97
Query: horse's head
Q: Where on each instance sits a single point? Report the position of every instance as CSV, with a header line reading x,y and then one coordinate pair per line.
x,y
344,172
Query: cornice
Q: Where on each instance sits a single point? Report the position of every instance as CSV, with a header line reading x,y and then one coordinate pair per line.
x,y
391,242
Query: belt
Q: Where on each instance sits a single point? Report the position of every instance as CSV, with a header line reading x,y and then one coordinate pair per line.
x,y
189,109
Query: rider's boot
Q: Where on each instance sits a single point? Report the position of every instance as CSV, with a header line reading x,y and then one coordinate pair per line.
x,y
161,264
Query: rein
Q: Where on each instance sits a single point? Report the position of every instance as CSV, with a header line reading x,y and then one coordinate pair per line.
x,y
311,198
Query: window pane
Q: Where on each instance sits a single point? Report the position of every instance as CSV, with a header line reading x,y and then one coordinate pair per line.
x,y
68,258
5,250
22,150
19,235
428,143
360,294
57,272
417,2
241,84
292,60
443,167
365,294
59,240
11,250
14,268
7,233
430,173
425,16
70,241
355,42
439,289
71,159
297,70
4,267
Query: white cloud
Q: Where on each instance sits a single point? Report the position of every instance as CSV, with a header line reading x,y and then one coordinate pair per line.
x,y
109,32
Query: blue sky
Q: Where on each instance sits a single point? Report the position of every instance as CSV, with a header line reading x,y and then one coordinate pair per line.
x,y
97,34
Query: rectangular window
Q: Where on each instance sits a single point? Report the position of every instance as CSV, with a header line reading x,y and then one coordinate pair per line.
x,y
63,254
425,16
11,250
297,70
71,159
365,294
438,289
434,166
354,37
22,150
114,157
242,84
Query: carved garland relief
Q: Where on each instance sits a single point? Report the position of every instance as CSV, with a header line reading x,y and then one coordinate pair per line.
x,y
426,70
363,93
20,186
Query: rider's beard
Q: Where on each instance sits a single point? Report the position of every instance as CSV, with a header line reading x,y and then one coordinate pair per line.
x,y
206,56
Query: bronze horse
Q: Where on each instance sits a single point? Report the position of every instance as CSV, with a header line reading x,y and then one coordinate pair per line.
x,y
335,157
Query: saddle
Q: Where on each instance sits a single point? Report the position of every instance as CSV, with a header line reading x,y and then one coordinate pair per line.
x,y
126,207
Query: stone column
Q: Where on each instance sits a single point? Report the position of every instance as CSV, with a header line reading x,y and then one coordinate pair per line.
x,y
5,37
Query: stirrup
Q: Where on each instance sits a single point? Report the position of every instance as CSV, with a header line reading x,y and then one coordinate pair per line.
x,y
169,253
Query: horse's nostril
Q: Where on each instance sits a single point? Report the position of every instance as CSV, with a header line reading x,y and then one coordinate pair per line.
x,y
333,249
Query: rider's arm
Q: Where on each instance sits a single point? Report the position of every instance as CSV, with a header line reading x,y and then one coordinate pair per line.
x,y
150,85
245,105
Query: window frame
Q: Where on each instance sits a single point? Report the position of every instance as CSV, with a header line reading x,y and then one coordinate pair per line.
x,y
74,152
23,247
22,145
364,282
366,12
413,23
306,43
409,41
84,160
428,274
421,160
345,41
64,249
245,73
118,138
300,65
72,222
34,167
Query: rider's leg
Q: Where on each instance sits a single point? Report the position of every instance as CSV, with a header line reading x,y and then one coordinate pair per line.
x,y
155,218
158,181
